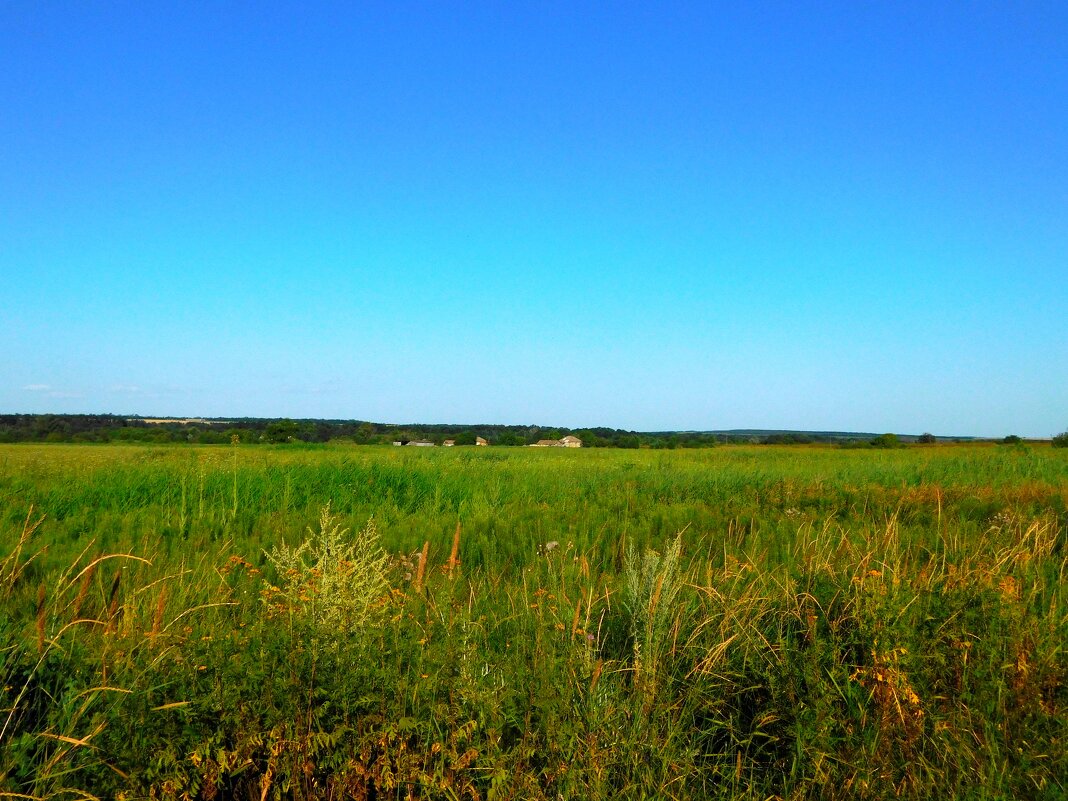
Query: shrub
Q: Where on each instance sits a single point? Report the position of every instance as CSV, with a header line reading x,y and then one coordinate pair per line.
x,y
926,438
328,583
1011,439
1061,440
652,583
886,441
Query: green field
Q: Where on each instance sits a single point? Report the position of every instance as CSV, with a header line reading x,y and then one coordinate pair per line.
x,y
738,622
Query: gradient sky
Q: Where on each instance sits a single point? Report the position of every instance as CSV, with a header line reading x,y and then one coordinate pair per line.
x,y
848,216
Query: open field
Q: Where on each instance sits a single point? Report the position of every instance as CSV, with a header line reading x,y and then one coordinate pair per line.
x,y
739,622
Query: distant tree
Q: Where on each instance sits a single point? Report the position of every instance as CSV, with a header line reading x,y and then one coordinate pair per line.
x,y
281,431
243,434
363,433
591,439
1061,440
465,438
886,441
926,438
1011,439
786,439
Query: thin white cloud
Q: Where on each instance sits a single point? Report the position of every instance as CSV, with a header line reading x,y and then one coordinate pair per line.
x,y
128,388
48,392
329,387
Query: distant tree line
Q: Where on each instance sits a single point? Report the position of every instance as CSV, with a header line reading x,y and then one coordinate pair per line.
x,y
114,428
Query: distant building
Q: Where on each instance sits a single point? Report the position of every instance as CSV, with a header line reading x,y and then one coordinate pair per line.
x,y
420,443
481,441
182,421
448,443
567,442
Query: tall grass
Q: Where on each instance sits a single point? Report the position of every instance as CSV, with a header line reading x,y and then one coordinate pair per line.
x,y
736,623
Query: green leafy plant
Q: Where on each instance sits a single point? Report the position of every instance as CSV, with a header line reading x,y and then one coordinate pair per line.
x,y
653,581
330,583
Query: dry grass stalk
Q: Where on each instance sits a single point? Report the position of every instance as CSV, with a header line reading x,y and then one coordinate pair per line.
x,y
420,571
83,590
596,675
12,566
113,600
454,555
92,565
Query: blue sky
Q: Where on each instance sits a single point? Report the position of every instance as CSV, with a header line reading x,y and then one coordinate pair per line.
x,y
845,216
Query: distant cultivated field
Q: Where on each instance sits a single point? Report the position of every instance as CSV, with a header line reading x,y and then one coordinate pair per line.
x,y
741,622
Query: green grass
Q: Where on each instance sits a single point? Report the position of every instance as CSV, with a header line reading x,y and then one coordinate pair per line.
x,y
836,623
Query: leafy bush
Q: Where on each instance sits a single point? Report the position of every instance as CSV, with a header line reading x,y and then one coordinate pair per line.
x,y
1061,440
886,441
329,584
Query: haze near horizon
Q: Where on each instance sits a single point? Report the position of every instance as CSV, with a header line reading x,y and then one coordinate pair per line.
x,y
680,217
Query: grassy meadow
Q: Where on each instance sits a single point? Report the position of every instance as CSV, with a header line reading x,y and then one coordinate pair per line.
x,y
335,622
